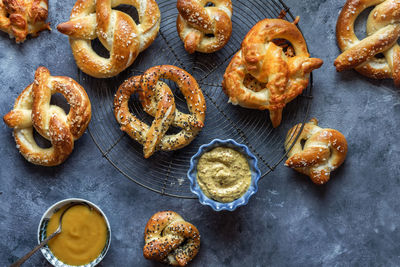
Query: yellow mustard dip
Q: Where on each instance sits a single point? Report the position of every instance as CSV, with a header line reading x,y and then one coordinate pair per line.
x,y
82,238
223,174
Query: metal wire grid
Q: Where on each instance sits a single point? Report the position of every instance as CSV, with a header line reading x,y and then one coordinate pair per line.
x,y
165,172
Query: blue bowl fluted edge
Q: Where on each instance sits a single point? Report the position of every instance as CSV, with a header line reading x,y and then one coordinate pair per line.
x,y
255,175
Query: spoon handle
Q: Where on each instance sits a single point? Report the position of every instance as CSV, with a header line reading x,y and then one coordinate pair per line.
x,y
29,254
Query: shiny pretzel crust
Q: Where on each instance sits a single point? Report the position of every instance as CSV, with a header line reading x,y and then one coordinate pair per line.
x,y
19,18
324,151
116,30
158,101
33,109
195,20
383,31
278,78
164,234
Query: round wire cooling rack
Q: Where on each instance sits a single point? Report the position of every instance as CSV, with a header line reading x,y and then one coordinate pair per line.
x,y
165,172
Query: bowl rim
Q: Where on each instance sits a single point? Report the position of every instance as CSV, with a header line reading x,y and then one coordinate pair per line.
x,y
60,204
253,164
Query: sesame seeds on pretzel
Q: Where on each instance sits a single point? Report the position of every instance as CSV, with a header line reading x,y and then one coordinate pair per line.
x,y
170,239
158,101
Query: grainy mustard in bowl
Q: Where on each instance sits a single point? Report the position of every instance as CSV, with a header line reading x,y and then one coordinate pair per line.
x,y
223,174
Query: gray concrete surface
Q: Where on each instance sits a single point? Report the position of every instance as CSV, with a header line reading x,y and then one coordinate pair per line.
x,y
352,221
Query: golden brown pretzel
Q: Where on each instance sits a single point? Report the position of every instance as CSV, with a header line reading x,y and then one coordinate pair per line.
x,y
261,76
116,30
383,30
33,109
170,239
19,18
324,151
158,101
196,20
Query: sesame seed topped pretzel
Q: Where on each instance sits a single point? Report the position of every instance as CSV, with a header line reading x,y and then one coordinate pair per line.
x,y
383,31
170,239
262,76
116,30
158,101
19,18
196,20
33,109
324,151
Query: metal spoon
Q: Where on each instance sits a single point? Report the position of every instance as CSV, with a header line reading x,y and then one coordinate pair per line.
x,y
44,242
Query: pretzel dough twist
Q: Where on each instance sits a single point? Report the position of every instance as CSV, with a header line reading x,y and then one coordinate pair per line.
x,y
158,101
116,30
170,239
33,109
324,151
19,18
196,20
261,76
383,30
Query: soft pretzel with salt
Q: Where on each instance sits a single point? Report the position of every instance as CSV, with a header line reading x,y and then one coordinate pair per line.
x,y
261,76
196,21
116,30
170,239
324,151
19,18
33,109
383,31
158,101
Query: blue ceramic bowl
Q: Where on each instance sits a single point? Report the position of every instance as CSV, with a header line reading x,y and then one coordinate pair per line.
x,y
215,205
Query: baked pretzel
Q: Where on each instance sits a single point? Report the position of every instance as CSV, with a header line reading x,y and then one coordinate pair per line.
x,y
170,239
196,21
261,76
33,109
158,101
383,30
19,18
116,30
324,151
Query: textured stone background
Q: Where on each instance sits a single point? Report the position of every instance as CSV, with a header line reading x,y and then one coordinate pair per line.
x,y
354,220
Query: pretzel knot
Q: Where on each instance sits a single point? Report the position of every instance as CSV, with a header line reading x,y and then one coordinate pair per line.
x,y
383,31
19,18
204,28
33,109
324,151
261,75
170,239
158,101
116,30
